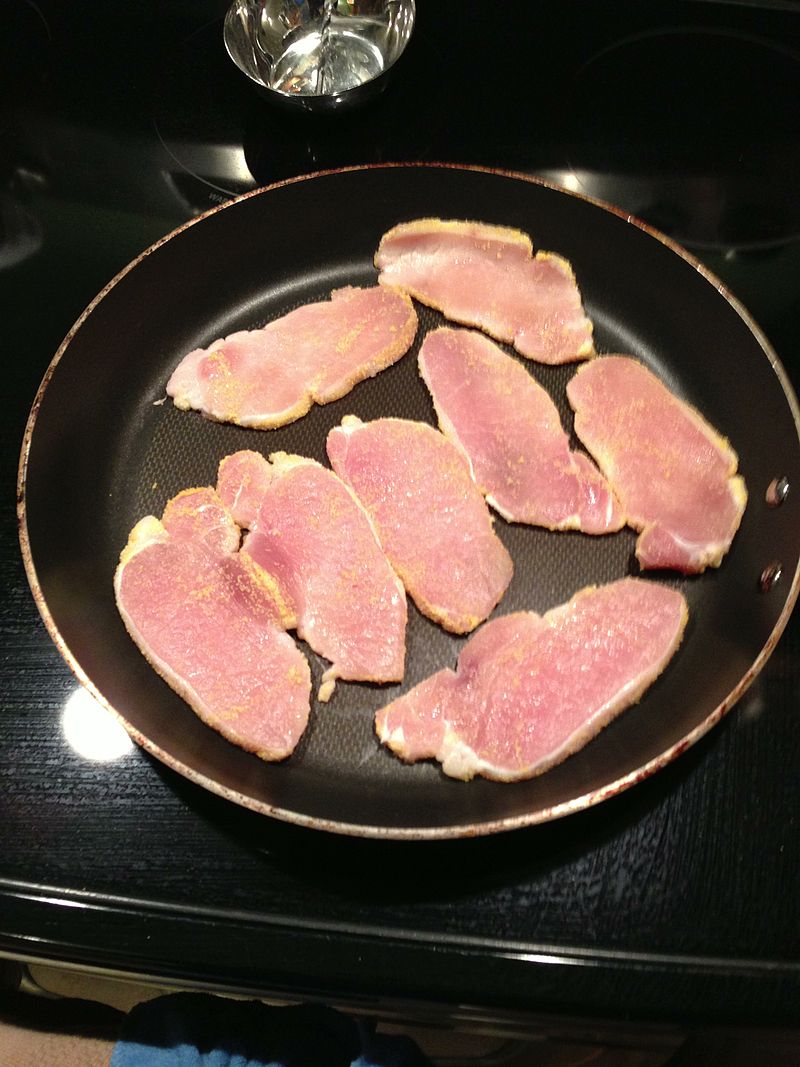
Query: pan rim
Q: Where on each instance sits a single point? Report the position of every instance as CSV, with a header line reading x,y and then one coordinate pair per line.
x,y
416,833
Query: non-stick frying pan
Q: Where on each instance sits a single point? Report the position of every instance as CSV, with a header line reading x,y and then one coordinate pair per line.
x,y
103,448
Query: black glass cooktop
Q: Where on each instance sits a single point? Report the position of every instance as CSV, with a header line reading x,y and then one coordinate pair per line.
x,y
676,900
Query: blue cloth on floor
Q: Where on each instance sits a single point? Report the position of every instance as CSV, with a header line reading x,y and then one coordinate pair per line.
x,y
201,1030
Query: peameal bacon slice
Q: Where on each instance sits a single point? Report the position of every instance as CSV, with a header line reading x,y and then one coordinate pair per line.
x,y
530,690
200,515
211,624
308,531
674,474
487,276
429,515
506,423
314,354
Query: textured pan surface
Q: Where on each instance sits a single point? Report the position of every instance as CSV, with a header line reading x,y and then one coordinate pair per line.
x,y
102,450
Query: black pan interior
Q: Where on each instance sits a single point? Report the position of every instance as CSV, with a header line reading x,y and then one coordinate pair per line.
x,y
105,450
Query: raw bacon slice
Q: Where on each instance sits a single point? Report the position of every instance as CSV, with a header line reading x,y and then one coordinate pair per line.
x,y
315,354
489,405
243,479
674,474
487,276
200,515
210,623
530,690
429,515
308,531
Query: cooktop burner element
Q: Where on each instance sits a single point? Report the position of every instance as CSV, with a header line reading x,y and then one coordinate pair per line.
x,y
225,139
694,131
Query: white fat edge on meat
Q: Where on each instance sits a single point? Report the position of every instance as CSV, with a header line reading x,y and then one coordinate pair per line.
x,y
569,522
394,739
244,481
329,679
458,760
611,500
147,531
183,384
272,420
698,555
446,427
350,423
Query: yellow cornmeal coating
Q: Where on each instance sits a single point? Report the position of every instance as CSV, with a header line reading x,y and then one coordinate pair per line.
x,y
481,230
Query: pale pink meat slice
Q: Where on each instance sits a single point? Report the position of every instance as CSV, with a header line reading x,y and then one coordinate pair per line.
x,y
310,533
200,515
531,690
430,517
208,622
506,423
674,475
487,276
243,479
314,354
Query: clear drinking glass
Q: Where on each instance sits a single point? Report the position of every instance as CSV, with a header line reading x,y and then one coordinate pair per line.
x,y
318,50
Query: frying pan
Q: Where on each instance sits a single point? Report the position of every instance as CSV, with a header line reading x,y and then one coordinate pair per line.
x,y
103,448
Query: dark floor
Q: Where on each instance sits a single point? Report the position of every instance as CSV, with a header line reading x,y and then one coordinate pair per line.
x,y
51,1017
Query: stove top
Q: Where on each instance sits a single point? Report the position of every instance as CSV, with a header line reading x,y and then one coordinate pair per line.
x,y
672,901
